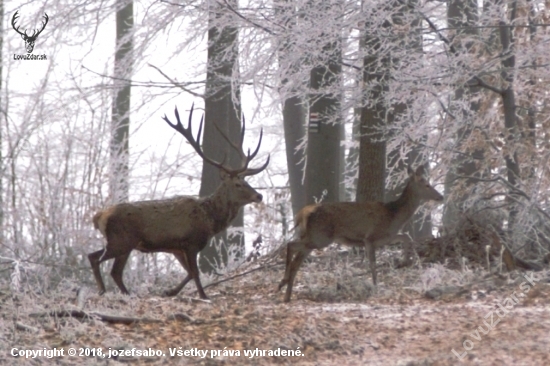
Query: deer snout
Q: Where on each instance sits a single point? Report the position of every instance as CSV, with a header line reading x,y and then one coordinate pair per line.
x,y
257,198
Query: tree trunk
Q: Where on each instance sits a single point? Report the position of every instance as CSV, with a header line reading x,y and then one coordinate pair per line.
x,y
372,144
294,114
222,106
323,173
119,173
294,108
510,123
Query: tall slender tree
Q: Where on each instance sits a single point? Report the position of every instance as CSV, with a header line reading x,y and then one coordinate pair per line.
x,y
119,175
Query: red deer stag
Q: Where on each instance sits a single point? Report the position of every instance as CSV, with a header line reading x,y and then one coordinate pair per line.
x,y
369,224
179,225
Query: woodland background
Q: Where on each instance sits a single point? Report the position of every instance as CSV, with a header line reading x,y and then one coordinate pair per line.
x,y
460,86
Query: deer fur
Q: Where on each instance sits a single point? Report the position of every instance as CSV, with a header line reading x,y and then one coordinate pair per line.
x,y
368,224
180,225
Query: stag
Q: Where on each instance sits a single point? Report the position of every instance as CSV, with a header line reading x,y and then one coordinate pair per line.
x,y
368,224
180,225
29,40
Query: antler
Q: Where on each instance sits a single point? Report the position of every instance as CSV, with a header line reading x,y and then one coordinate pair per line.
x,y
188,134
245,158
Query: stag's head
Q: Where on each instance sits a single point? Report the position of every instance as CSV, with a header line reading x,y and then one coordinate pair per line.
x,y
234,186
29,40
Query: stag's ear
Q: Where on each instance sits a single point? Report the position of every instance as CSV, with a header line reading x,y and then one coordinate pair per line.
x,y
223,174
23,36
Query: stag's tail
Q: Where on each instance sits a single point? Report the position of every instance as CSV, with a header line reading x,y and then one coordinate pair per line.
x,y
100,220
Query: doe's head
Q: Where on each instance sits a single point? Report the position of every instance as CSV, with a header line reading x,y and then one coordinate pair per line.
x,y
421,187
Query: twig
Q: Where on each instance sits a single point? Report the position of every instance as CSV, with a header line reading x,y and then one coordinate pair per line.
x,y
242,274
24,327
79,314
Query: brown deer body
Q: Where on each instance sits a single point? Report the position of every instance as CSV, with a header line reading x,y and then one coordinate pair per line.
x,y
368,224
179,225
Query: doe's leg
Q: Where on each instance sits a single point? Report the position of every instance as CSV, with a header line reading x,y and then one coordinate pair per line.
x,y
289,254
294,266
370,247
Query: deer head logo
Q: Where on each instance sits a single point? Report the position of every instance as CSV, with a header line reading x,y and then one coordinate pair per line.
x,y
29,40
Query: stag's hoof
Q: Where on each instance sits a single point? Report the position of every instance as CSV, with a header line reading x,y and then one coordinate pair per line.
x,y
170,293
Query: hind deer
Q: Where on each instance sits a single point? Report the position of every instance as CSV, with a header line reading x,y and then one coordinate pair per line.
x,y
179,225
368,224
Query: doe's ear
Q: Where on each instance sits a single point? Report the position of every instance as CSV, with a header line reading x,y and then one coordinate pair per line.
x,y
420,171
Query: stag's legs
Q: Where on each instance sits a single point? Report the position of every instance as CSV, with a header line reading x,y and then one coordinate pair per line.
x,y
101,256
194,272
182,258
189,262
118,270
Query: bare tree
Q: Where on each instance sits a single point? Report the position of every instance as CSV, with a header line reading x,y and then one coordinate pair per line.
x,y
294,106
119,184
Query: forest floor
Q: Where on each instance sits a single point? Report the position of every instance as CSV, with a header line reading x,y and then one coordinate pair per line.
x,y
335,317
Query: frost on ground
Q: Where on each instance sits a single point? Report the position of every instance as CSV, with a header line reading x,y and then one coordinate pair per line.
x,y
422,316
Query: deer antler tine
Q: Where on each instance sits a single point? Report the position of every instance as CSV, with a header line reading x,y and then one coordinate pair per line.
x,y
257,147
200,130
195,143
191,116
254,171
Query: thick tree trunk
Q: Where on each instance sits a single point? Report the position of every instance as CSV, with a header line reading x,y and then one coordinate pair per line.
x,y
294,107
294,113
323,172
372,143
222,106
323,143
